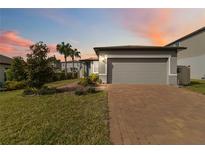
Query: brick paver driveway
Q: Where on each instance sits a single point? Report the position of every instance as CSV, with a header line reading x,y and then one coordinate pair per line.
x,y
154,114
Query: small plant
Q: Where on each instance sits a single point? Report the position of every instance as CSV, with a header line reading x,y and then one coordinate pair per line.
x,y
30,91
80,91
91,90
45,90
14,85
94,78
42,91
84,81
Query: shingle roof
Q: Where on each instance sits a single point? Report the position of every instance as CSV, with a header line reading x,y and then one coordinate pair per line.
x,y
188,35
89,59
136,47
5,60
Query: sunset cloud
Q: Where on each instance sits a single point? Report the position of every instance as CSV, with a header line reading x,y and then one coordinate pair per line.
x,y
11,43
161,26
13,38
5,48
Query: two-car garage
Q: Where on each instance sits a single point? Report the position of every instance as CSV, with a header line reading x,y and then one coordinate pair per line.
x,y
138,64
137,70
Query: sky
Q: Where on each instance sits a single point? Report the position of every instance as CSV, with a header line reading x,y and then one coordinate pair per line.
x,y
88,28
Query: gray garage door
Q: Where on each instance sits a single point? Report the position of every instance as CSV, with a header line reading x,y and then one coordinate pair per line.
x,y
137,70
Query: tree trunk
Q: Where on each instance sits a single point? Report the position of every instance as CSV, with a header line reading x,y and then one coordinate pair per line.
x,y
66,67
73,67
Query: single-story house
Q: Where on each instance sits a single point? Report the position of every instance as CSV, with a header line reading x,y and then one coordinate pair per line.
x,y
77,66
138,64
194,55
89,66
5,63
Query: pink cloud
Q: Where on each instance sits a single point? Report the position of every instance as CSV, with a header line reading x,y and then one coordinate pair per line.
x,y
13,38
161,26
11,43
6,48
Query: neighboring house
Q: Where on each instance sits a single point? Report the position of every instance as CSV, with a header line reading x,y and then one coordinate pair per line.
x,y
89,66
77,66
55,64
5,63
194,55
138,64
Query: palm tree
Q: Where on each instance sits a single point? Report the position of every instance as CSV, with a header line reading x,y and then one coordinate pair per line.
x,y
64,49
74,53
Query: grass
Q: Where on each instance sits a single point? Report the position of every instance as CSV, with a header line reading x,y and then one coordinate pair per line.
x,y
197,86
62,118
60,83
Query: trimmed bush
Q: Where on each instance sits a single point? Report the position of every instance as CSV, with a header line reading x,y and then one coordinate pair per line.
x,y
9,75
91,90
30,91
61,76
94,78
80,91
42,91
14,85
45,90
84,81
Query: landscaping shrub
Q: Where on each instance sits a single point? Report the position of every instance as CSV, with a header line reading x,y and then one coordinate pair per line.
x,y
45,90
84,81
91,90
58,76
30,91
9,75
14,85
70,76
42,91
80,91
94,78
61,76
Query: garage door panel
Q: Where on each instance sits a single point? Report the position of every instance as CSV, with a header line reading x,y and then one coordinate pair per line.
x,y
138,70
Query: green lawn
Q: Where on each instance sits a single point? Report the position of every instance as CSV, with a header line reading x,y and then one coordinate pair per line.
x,y
62,118
197,86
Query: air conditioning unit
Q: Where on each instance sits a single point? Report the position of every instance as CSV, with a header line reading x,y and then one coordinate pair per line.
x,y
183,75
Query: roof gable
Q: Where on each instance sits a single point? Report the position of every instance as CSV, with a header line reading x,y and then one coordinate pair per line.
x,y
5,60
188,35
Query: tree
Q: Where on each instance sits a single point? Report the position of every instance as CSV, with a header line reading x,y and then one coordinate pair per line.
x,y
65,50
18,69
54,63
9,75
39,70
74,53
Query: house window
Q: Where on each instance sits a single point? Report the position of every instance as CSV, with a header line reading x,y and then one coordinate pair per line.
x,y
95,66
177,44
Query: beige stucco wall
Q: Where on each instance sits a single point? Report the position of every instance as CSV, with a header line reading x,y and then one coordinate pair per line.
x,y
171,55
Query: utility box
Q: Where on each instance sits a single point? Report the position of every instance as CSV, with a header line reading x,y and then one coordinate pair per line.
x,y
183,75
